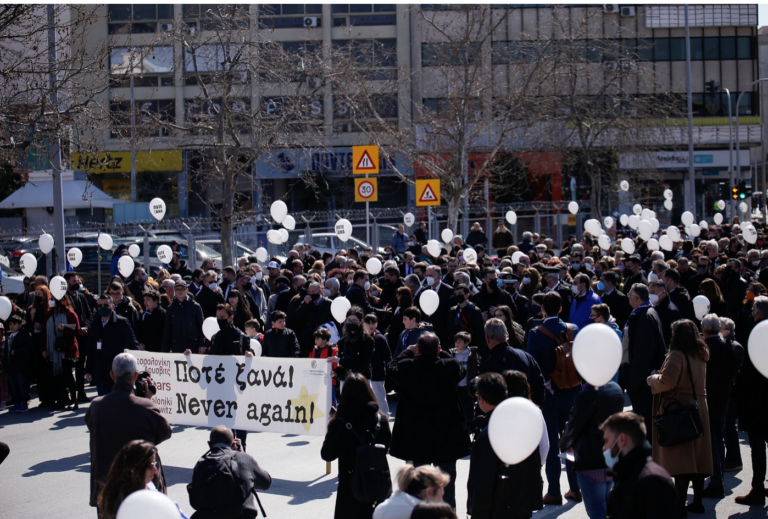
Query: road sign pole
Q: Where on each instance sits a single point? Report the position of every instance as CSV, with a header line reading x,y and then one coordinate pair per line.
x,y
368,224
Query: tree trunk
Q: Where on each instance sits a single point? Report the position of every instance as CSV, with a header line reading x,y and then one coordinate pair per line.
x,y
227,208
453,215
595,197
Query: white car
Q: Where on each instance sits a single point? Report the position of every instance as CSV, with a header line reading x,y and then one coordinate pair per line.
x,y
13,282
329,242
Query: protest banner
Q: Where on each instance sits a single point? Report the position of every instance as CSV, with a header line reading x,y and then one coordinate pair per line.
x,y
285,395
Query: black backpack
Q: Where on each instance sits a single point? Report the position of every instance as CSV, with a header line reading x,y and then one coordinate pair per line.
x,y
216,484
370,480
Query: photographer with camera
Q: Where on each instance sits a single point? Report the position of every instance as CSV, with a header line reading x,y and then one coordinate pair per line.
x,y
225,480
120,417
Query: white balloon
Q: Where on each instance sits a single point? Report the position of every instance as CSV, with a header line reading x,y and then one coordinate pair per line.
x,y
262,255
105,241
256,347
634,221
597,354
343,229
147,504
447,235
289,223
637,209
608,222
695,230
700,306
339,308
470,256
673,233
210,327
516,257
511,217
646,214
668,205
134,250
645,230
6,307
653,244
743,207
668,194
605,242
284,236
125,266
515,429
687,218
157,208
593,227
164,253
758,347
703,224
624,185
624,220
28,264
278,211
373,266
721,204
655,224
409,219
750,233
58,287
429,301
433,247
273,237
74,257
718,218
627,245
665,242
45,243
573,207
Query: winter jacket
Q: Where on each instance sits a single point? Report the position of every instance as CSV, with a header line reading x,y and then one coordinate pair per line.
x,y
183,327
581,307
280,343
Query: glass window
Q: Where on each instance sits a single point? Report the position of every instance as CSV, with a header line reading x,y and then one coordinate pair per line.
x,y
661,49
744,47
339,8
384,8
698,105
360,8
157,60
727,48
595,51
313,8
677,49
165,11
119,12
645,49
711,48
292,9
746,108
144,12
697,54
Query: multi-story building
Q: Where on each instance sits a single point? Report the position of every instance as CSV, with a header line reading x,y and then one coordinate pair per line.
x,y
723,50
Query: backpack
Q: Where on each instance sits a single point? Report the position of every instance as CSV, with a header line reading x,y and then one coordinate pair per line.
x,y
216,484
565,375
370,480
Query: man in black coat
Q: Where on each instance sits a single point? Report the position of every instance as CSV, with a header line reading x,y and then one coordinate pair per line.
x,y
668,312
633,273
615,299
124,305
645,351
430,427
109,336
83,308
466,317
150,332
284,297
678,294
207,298
552,281
183,323
392,281
433,280
313,311
356,293
138,284
642,488
18,364
702,272
491,295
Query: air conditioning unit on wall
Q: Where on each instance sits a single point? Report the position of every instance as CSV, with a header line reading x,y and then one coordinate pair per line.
x,y
628,10
611,8
311,21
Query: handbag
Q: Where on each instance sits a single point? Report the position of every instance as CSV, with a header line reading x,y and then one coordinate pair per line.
x,y
679,423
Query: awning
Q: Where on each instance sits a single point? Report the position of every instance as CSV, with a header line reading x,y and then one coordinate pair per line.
x,y
40,194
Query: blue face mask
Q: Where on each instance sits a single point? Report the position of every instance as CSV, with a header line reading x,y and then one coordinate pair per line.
x,y
600,285
576,265
610,459
500,282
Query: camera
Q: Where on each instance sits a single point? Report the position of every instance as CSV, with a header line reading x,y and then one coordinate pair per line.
x,y
139,387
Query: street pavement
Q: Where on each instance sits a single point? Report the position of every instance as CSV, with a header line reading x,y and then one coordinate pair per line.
x,y
47,472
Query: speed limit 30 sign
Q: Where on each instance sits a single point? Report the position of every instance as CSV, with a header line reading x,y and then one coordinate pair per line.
x,y
366,190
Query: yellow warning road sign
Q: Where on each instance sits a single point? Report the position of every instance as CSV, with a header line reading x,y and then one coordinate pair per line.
x,y
427,192
366,190
365,160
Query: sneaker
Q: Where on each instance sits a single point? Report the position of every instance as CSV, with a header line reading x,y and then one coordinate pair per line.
x,y
733,466
14,408
753,498
552,500
573,496
713,492
22,408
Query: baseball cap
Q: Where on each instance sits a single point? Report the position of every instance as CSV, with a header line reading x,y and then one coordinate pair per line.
x,y
180,283
273,265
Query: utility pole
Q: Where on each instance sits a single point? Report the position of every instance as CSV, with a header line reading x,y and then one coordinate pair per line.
x,y
54,148
133,132
690,185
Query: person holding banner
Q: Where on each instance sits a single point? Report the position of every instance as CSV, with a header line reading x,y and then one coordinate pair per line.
x,y
355,347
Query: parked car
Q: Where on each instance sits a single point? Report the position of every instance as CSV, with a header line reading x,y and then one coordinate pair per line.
x,y
241,249
203,251
85,237
12,282
15,249
329,242
88,269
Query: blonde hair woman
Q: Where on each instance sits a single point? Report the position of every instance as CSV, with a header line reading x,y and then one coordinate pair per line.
x,y
414,485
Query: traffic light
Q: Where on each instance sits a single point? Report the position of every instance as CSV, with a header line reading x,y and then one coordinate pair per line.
x,y
712,86
739,192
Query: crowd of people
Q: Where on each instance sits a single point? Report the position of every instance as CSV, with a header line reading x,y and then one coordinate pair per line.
x,y
501,330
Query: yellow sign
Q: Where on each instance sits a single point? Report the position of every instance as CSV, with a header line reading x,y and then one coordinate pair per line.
x,y
572,220
366,190
365,160
120,161
427,192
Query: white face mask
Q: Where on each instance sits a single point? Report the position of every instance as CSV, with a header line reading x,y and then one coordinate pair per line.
x,y
367,286
653,298
575,290
51,303
212,285
756,263
258,276
326,292
430,280
589,266
253,279
526,281
652,276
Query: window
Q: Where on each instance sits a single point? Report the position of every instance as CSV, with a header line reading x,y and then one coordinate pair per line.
x,y
378,55
199,111
152,66
744,47
448,54
697,51
711,48
210,59
348,118
139,18
677,49
209,17
661,49
727,48
505,52
364,14
150,116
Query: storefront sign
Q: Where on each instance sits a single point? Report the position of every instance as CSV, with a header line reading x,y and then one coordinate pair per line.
x,y
679,159
120,161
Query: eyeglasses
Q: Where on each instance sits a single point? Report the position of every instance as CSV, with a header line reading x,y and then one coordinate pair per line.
x,y
105,305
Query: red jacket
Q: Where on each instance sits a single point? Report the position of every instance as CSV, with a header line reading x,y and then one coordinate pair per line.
x,y
328,351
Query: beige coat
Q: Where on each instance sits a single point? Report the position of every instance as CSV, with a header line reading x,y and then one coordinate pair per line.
x,y
673,382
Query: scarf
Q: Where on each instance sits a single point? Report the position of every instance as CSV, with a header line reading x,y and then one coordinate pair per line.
x,y
52,328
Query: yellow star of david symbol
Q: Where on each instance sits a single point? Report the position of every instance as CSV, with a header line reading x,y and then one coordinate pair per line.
x,y
305,400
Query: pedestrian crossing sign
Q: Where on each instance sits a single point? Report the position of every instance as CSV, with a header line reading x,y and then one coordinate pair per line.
x,y
427,192
365,160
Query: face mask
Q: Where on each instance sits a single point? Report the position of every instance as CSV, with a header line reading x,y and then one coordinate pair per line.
x,y
652,276
621,268
223,323
526,281
702,270
367,286
375,293
212,285
144,278
589,266
600,285
105,312
314,297
576,265
575,290
756,263
259,276
540,254
326,292
430,280
51,303
500,283
247,285
653,298
610,459
253,279
80,288
352,326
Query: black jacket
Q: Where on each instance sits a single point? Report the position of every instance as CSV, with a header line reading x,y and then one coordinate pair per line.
x,y
107,341
668,314
382,356
647,348
358,297
183,327
485,299
582,432
208,300
81,307
642,489
503,357
430,425
682,301
618,303
439,319
19,353
307,319
280,343
721,369
637,278
355,354
126,308
181,269
150,332
230,341
468,319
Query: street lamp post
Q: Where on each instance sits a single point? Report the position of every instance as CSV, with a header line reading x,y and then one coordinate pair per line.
x,y
738,134
731,202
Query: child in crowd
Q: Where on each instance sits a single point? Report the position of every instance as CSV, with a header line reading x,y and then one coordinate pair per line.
x,y
323,350
467,357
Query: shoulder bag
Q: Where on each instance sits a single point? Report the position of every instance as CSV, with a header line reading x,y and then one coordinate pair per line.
x,y
679,423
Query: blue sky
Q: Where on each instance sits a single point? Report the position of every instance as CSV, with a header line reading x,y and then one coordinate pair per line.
x,y
762,15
